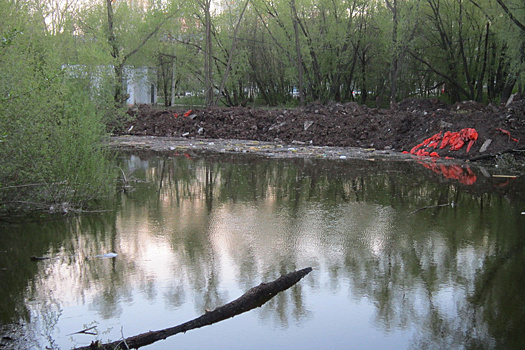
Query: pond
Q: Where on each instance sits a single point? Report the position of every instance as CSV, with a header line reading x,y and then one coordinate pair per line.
x,y
404,255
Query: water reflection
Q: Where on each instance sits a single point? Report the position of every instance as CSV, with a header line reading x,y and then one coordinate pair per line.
x,y
197,231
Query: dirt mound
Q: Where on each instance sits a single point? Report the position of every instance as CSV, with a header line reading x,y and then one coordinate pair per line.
x,y
400,128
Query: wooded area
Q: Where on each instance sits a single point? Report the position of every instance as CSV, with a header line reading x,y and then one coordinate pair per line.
x,y
374,52
261,52
332,50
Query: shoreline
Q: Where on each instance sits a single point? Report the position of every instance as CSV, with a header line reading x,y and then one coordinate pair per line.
x,y
278,150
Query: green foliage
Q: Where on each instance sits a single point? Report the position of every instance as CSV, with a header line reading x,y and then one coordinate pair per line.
x,y
382,49
50,123
414,48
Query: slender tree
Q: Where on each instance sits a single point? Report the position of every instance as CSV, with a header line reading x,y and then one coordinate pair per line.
x,y
205,6
299,58
520,56
121,54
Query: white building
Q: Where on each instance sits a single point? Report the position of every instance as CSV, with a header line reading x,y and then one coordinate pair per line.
x,y
138,83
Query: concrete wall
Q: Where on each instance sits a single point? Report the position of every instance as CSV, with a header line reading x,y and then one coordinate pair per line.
x,y
141,85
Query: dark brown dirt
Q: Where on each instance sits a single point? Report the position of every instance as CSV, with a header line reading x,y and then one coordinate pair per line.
x,y
344,125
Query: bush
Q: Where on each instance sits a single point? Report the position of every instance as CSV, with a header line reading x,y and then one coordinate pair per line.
x,y
51,130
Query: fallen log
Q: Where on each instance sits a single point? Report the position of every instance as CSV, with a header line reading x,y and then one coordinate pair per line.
x,y
253,298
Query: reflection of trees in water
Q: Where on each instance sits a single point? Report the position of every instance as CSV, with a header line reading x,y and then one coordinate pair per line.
x,y
68,276
452,271
414,278
499,290
427,279
409,271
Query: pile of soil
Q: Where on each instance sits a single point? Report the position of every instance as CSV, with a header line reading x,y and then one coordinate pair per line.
x,y
399,128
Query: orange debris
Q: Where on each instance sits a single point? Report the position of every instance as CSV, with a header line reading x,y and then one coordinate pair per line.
x,y
508,133
456,141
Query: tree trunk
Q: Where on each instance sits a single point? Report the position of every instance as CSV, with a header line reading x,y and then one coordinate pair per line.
x,y
481,78
208,55
118,68
120,97
173,78
299,58
119,61
317,85
507,89
364,88
394,69
230,55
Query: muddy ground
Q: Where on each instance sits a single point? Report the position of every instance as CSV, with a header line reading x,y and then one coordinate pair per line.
x,y
342,126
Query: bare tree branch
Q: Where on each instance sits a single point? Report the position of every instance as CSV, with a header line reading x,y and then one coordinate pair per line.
x,y
441,74
253,298
511,16
232,50
147,37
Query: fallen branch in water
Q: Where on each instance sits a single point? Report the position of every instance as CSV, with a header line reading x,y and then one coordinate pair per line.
x,y
253,298
86,331
433,206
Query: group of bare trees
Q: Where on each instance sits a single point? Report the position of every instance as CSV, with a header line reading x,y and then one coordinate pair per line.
x,y
298,51
341,50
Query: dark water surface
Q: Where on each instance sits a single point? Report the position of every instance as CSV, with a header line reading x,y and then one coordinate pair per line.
x,y
404,256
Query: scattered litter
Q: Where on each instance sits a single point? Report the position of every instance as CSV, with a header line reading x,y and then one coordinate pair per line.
x,y
107,255
484,171
307,124
276,126
508,134
339,125
511,99
485,145
506,176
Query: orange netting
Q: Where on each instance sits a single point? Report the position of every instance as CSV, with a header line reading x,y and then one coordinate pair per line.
x,y
454,140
